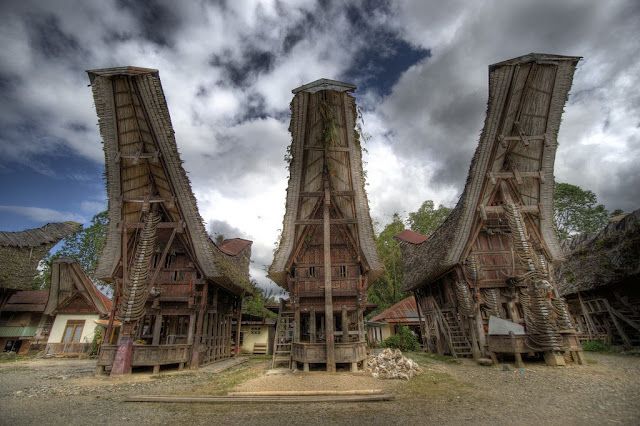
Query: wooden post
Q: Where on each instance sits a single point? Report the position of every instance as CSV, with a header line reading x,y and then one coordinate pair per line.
x,y
312,326
296,320
328,298
345,324
238,326
360,315
157,328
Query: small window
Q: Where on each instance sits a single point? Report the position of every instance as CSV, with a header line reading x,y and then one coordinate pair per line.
x,y
73,331
343,271
312,271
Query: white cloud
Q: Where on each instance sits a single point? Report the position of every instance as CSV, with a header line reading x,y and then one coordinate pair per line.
x,y
43,215
422,135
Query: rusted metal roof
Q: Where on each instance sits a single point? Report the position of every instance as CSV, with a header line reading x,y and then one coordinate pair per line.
x,y
403,311
27,301
411,237
234,246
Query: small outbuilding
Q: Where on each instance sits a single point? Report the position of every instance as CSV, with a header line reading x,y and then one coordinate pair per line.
x,y
599,280
77,307
387,322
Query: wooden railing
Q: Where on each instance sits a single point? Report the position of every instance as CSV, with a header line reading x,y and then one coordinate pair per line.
x,y
67,348
148,355
317,352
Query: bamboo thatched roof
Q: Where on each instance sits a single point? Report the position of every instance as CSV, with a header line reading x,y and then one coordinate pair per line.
x,y
47,234
526,98
134,119
346,175
21,252
602,259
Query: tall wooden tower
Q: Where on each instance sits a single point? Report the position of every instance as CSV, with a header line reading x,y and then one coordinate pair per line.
x,y
176,292
326,256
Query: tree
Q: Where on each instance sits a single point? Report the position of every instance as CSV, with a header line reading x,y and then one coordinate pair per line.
x,y
427,218
255,302
84,246
387,289
577,211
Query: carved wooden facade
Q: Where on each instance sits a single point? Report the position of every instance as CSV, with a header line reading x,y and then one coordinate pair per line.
x,y
176,291
493,257
326,256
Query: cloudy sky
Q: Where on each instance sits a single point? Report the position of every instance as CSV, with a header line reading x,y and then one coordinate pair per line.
x,y
228,67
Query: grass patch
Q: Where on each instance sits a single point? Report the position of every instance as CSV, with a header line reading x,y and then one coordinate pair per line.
x,y
426,358
221,383
595,346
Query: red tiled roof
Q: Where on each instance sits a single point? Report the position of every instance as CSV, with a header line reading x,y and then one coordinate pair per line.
x,y
28,301
412,237
403,311
234,246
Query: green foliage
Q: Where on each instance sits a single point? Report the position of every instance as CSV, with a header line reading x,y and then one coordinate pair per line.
x,y
427,218
254,303
577,211
595,346
97,341
387,289
84,246
404,340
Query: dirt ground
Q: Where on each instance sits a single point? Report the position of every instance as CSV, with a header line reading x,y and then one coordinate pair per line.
x,y
605,391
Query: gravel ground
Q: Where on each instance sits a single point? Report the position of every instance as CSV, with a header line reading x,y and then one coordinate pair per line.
x,y
605,391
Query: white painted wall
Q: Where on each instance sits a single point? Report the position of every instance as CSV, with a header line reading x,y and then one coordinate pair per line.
x,y
59,324
249,337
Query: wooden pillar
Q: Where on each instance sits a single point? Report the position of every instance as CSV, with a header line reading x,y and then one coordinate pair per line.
x,y
157,329
312,326
345,324
296,321
192,328
238,326
328,297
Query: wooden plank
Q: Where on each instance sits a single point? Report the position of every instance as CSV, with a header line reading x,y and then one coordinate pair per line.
x,y
500,209
309,392
321,221
260,399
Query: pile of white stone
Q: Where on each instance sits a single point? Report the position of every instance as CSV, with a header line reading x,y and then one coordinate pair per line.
x,y
391,364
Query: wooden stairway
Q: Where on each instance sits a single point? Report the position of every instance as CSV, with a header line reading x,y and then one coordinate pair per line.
x,y
283,339
459,343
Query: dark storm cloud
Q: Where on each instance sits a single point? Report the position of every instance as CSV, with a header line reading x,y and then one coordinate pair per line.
x,y
158,21
437,108
249,66
50,40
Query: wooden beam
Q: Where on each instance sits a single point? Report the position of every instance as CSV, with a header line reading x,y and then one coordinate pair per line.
x,y
500,209
309,194
322,221
323,149
163,257
328,297
138,225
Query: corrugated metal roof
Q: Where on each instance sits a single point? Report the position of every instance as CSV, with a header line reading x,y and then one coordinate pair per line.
x,y
27,301
403,311
412,237
234,246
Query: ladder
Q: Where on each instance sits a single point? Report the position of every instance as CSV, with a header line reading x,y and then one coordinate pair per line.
x,y
283,339
459,342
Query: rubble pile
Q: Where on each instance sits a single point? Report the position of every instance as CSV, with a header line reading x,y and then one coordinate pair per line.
x,y
391,364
